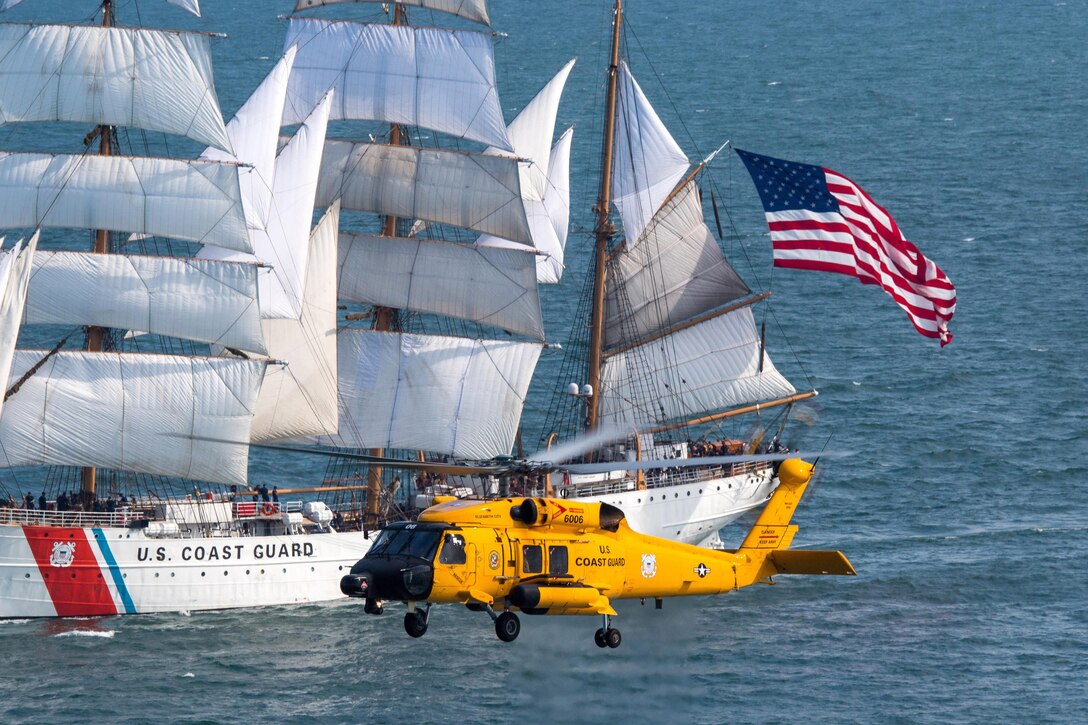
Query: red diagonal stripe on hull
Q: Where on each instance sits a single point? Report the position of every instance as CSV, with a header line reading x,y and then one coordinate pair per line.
x,y
76,590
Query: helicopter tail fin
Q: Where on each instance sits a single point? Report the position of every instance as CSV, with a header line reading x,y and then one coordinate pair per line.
x,y
767,544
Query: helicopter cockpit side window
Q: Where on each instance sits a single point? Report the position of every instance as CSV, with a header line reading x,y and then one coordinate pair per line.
x,y
532,559
453,550
557,560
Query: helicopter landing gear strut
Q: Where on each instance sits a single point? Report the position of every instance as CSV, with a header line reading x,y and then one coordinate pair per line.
x,y
507,625
606,636
415,621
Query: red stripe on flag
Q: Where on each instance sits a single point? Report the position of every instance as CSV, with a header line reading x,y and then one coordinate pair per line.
x,y
815,265
78,588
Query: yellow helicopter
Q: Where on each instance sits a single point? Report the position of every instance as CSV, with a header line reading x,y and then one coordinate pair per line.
x,y
556,556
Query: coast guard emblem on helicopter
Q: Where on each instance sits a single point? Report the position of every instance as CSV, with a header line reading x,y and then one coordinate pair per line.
x,y
649,566
64,553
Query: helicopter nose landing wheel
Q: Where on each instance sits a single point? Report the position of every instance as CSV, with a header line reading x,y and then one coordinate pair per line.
x,y
507,626
415,623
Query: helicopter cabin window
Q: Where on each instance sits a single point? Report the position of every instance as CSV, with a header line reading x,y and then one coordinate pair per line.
x,y
453,550
532,559
557,560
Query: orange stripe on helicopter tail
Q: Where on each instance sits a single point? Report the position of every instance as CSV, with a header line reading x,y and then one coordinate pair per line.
x,y
78,588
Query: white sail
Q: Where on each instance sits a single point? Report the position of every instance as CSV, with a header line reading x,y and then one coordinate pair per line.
x,y
441,394
15,266
299,398
531,134
549,220
285,242
709,366
648,163
467,190
443,80
196,201
469,9
672,272
494,286
192,6
151,79
254,133
194,299
159,414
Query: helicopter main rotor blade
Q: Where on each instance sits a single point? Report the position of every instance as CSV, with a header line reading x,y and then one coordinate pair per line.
x,y
579,468
599,437
449,469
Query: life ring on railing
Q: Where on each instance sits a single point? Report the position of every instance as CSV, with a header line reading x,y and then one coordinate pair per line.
x,y
564,492
268,509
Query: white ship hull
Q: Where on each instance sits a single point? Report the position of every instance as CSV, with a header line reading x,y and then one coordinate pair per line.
x,y
687,505
50,571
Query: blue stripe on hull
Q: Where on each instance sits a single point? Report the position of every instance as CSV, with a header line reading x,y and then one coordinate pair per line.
x,y
115,571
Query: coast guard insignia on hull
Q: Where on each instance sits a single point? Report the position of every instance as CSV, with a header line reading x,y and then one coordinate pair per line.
x,y
493,560
649,566
64,553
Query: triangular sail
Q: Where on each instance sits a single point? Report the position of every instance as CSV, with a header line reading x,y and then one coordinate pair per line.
x,y
150,79
285,242
254,133
439,79
549,220
299,398
672,272
468,190
493,286
160,414
443,394
193,299
707,367
469,9
648,163
531,134
15,266
197,201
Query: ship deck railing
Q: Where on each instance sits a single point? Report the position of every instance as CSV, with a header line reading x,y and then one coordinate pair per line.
x,y
71,519
253,509
665,478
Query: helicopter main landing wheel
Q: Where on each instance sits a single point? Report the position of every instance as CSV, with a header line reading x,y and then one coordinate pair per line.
x,y
600,637
415,623
612,638
507,626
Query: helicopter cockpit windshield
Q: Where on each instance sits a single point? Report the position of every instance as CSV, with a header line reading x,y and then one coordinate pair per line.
x,y
416,543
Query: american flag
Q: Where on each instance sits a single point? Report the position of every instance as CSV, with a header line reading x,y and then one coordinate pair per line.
x,y
821,220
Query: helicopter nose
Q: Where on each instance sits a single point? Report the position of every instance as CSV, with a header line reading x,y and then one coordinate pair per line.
x,y
418,580
355,585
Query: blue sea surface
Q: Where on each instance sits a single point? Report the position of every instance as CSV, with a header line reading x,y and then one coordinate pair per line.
x,y
963,509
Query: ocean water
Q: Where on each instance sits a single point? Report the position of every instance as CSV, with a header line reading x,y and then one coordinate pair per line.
x,y
963,508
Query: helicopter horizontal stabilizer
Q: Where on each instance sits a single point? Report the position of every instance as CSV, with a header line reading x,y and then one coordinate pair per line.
x,y
800,561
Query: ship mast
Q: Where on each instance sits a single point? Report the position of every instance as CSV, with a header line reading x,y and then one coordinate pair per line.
x,y
604,229
96,335
385,318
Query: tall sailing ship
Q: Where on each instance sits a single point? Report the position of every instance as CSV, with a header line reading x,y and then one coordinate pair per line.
x,y
243,288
